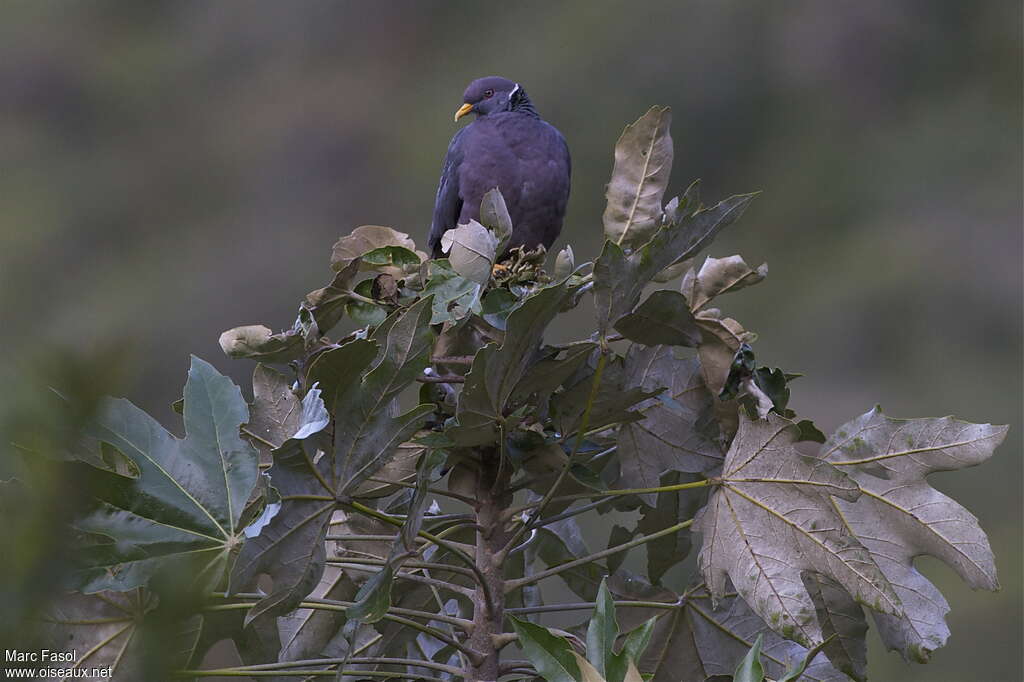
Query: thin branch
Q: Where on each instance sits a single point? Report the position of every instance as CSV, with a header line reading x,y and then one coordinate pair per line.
x,y
462,556
433,491
407,564
537,577
282,666
441,379
619,493
452,359
587,606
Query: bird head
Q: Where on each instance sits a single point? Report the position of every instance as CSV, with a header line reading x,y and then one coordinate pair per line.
x,y
491,94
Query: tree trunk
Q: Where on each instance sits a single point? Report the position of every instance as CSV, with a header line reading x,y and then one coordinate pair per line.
x,y
493,499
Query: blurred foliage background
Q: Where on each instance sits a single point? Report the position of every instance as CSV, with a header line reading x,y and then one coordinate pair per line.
x,y
172,169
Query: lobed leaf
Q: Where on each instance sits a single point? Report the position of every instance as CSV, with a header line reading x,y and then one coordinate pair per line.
x,y
182,511
900,516
771,519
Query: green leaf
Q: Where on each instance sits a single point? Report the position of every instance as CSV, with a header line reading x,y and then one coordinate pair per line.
x,y
391,255
454,297
117,630
366,432
643,162
794,672
551,655
374,598
362,313
695,642
290,548
182,512
547,374
678,431
620,276
323,308
602,630
497,305
664,318
471,250
498,369
612,405
637,640
561,542
749,669
669,550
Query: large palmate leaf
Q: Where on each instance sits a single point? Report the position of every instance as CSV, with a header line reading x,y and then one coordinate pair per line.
x,y
643,162
182,511
771,519
497,369
119,631
366,430
620,276
899,516
696,640
677,432
291,546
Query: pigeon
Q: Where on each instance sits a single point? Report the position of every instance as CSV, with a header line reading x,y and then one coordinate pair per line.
x,y
511,148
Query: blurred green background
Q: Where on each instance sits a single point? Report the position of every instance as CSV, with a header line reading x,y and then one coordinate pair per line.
x,y
172,169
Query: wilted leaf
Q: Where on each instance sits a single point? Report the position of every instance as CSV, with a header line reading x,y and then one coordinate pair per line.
x,y
620,277
182,512
471,250
565,263
664,318
643,162
257,342
276,411
771,519
719,276
494,216
900,516
366,239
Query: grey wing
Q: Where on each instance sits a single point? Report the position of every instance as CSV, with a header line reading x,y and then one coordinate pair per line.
x,y
448,204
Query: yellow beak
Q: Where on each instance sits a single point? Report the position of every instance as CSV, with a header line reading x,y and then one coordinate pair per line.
x,y
463,110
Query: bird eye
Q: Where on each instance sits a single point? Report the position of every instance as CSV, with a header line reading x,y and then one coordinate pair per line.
x,y
488,93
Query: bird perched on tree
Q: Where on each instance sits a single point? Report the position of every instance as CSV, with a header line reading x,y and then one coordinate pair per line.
x,y
508,146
